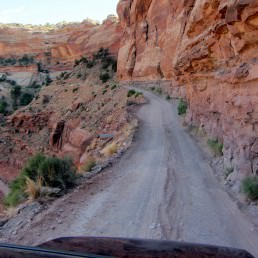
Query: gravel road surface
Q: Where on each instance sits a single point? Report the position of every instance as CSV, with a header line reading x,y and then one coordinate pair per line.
x,y
162,188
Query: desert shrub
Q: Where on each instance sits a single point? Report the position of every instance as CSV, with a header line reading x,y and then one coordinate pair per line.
x,y
83,60
104,91
48,80
153,88
26,60
130,93
182,107
228,171
90,63
26,98
57,172
7,62
89,165
47,54
113,87
110,149
3,106
15,94
3,77
39,67
76,62
138,94
104,77
64,75
43,171
250,187
17,192
114,66
159,91
16,91
106,64
12,82
102,53
75,90
168,97
215,146
109,61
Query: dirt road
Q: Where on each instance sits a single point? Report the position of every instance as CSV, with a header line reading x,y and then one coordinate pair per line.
x,y
162,188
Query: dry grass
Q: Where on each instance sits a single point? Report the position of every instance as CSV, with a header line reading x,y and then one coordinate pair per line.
x,y
33,189
10,212
130,128
110,149
88,165
198,131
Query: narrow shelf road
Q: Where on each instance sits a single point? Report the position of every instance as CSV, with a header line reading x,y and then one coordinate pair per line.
x,y
162,188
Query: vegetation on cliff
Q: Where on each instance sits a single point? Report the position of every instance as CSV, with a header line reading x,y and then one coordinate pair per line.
x,y
41,171
182,107
250,187
25,60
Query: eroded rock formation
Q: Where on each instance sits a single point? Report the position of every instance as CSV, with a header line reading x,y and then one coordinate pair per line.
x,y
206,51
59,48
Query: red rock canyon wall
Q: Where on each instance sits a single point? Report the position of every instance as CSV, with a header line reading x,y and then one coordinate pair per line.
x,y
207,50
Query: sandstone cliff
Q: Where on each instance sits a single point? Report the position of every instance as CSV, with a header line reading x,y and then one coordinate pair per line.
x,y
207,52
57,49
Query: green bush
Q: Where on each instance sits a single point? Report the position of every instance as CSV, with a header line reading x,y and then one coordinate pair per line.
x,y
138,94
104,77
48,80
26,98
57,172
131,93
53,171
113,87
216,147
7,62
39,67
182,107
250,187
76,63
90,64
228,171
159,91
168,97
17,193
114,66
104,91
83,60
16,91
3,106
3,78
26,60
12,82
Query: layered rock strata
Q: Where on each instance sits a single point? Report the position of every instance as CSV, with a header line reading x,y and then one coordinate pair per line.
x,y
207,52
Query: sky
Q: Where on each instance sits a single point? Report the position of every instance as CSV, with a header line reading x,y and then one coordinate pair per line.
x,y
54,11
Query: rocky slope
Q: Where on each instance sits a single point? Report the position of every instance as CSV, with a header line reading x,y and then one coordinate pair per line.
x,y
58,48
79,115
205,51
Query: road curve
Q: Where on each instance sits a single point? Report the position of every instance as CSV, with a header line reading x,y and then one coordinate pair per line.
x,y
162,188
